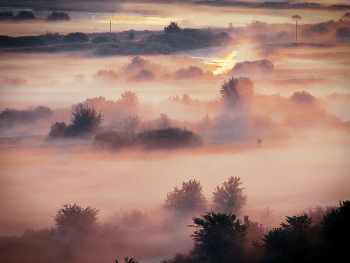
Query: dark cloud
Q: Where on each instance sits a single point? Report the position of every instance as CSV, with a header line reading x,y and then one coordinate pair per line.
x,y
58,16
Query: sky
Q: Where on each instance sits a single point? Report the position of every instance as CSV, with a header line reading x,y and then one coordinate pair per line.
x,y
297,104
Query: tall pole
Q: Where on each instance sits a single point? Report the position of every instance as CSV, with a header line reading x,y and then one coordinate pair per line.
x,y
296,31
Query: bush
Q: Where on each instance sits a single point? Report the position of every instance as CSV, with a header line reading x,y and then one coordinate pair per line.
x,y
77,37
84,120
171,138
100,39
76,216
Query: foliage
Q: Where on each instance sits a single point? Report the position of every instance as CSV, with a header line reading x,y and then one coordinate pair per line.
x,y
218,237
336,225
76,216
229,197
189,198
76,37
12,117
173,27
129,98
170,138
235,89
58,130
85,119
130,260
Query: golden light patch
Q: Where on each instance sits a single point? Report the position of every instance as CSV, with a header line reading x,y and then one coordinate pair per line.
x,y
223,64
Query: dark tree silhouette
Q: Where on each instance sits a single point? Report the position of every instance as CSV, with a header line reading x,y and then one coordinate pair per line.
x,y
58,130
76,37
336,226
218,237
229,197
76,216
232,91
85,119
173,27
189,198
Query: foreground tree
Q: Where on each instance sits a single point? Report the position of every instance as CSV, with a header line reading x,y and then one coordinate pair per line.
x,y
85,119
189,198
229,197
173,27
218,237
236,90
76,216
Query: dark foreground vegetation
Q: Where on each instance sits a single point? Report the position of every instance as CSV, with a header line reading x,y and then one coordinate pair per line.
x,y
320,235
11,117
169,138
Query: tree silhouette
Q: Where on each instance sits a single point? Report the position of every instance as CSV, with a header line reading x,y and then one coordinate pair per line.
x,y
236,89
218,237
173,27
229,197
76,216
189,198
85,119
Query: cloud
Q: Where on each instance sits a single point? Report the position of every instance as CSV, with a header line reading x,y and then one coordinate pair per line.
x,y
58,16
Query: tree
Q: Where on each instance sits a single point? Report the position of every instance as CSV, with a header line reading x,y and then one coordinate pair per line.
x,y
76,216
85,119
236,90
173,27
229,197
129,98
189,198
218,237
164,121
58,130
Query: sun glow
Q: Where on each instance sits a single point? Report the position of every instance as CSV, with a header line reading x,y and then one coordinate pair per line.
x,y
223,64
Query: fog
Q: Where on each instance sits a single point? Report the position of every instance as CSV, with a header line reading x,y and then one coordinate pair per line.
x,y
230,93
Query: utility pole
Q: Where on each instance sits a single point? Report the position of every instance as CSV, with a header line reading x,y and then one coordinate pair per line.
x,y
296,18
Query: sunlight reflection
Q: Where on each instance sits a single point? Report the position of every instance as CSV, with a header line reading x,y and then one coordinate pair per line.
x,y
223,64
